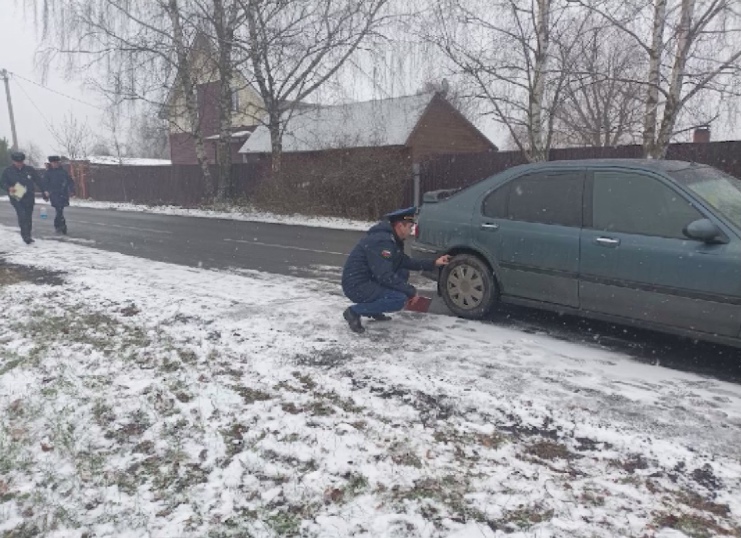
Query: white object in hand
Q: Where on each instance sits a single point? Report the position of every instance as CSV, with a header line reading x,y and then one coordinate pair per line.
x,y
17,191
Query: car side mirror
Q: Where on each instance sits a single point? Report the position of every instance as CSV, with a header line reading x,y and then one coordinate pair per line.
x,y
704,230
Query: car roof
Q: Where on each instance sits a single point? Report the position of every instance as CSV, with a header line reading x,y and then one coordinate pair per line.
x,y
644,164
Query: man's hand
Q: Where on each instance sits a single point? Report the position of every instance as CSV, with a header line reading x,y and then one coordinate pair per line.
x,y
442,260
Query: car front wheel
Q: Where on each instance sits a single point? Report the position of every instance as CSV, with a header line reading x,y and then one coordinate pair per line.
x,y
468,286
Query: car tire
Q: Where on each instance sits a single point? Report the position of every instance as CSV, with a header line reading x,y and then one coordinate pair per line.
x,y
468,286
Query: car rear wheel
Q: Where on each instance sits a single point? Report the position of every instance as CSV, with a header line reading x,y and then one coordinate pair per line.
x,y
468,287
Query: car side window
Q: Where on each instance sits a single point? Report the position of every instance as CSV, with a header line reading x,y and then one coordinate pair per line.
x,y
634,203
495,204
544,198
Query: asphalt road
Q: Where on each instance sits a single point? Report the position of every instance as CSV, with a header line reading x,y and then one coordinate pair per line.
x,y
320,253
199,242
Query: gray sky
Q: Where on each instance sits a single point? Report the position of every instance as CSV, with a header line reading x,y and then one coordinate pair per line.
x,y
35,107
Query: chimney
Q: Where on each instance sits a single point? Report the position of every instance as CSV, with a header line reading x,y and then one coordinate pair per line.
x,y
701,135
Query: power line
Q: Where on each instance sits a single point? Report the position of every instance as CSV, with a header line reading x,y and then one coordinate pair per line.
x,y
46,122
56,92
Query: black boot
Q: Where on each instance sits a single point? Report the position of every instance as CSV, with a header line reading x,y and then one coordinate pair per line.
x,y
353,320
381,317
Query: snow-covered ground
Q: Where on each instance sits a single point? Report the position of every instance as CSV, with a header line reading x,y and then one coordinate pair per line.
x,y
233,213
144,399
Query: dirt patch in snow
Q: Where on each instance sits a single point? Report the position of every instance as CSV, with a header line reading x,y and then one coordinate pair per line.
x,y
11,273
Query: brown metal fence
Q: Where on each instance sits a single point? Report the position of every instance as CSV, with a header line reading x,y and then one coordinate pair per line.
x,y
455,171
349,183
177,184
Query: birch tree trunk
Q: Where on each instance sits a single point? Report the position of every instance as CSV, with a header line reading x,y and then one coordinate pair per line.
x,y
185,76
539,150
654,79
224,27
673,99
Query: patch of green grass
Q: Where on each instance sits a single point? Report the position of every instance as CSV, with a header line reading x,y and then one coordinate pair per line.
x,y
434,493
137,424
233,438
24,530
320,408
10,364
404,455
694,526
103,413
549,450
284,523
305,379
696,502
346,405
250,395
356,484
526,517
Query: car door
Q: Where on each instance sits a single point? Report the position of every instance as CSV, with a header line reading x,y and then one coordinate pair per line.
x,y
637,263
530,228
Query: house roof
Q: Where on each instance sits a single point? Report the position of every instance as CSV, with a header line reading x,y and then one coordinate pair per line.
x,y
235,135
128,161
386,122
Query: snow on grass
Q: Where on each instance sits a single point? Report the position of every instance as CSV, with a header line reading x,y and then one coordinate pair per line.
x,y
140,398
243,213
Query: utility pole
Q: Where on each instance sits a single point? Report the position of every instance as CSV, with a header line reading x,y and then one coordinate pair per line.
x,y
6,79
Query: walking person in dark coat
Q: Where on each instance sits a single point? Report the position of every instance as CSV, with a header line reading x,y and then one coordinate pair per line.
x,y
376,272
60,187
20,181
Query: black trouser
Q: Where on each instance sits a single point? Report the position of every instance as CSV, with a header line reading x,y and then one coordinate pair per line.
x,y
24,210
59,222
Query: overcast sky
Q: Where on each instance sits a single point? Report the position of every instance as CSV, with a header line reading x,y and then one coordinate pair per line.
x,y
36,108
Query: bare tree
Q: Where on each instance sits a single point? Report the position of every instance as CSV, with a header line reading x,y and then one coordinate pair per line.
x,y
692,47
73,137
139,48
147,136
293,48
34,155
218,23
101,149
506,50
601,106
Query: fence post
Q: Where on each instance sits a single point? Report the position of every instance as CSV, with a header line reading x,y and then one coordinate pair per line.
x,y
417,199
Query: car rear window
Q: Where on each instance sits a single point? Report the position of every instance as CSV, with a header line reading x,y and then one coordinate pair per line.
x,y
544,198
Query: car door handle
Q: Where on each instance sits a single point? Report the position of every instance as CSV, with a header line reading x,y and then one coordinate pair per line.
x,y
607,241
489,226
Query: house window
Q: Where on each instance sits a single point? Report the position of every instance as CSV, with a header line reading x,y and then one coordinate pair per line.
x,y
235,101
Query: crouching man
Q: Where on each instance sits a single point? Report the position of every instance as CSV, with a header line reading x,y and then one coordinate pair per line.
x,y
376,272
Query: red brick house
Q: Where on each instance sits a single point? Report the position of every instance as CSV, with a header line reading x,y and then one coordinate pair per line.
x,y
419,125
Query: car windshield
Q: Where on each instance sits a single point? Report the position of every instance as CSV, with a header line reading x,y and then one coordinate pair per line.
x,y
718,189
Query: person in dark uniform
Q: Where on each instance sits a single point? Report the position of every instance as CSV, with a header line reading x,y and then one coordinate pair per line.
x,y
60,187
20,181
376,272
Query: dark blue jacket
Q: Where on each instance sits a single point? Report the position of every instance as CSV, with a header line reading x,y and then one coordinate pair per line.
x,y
27,177
374,265
59,185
